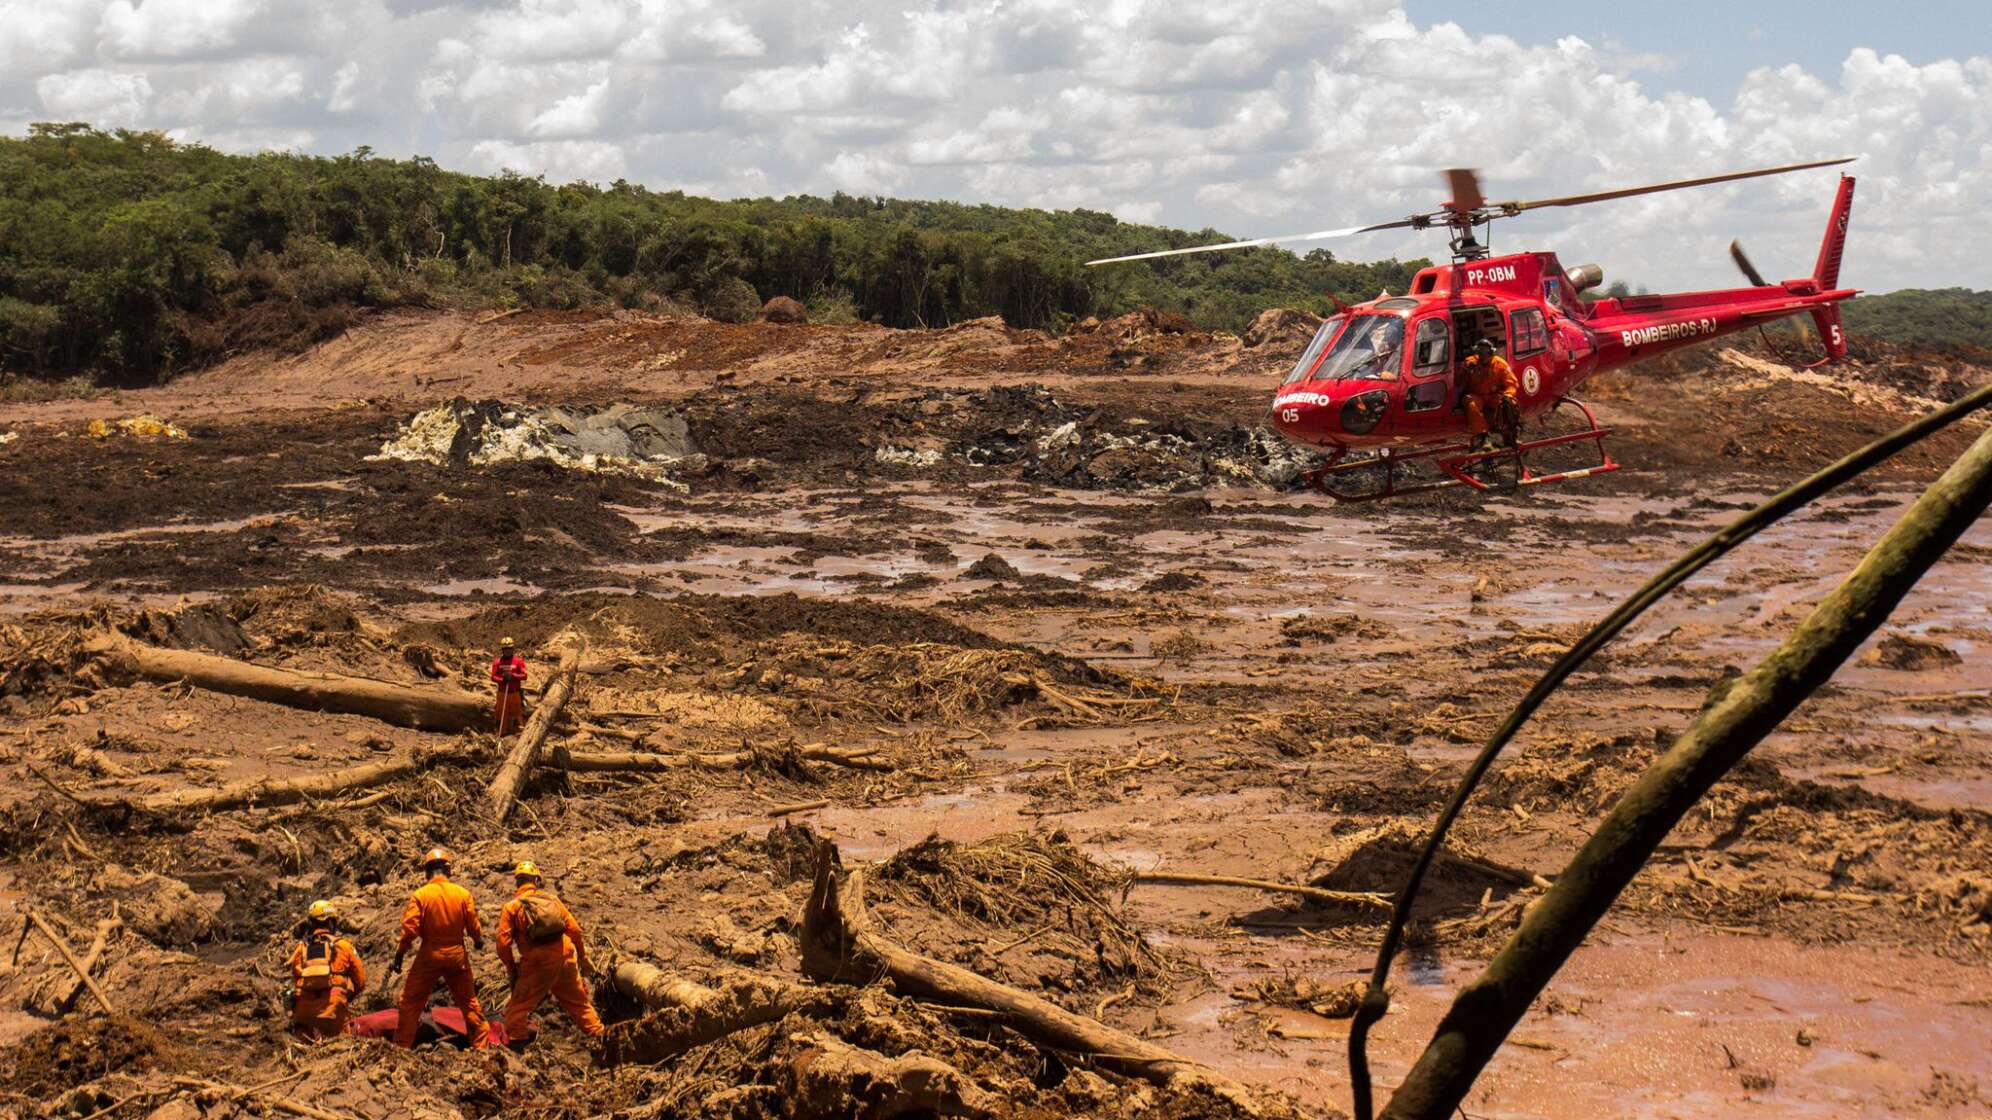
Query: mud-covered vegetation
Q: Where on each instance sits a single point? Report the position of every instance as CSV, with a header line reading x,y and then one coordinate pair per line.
x,y
132,254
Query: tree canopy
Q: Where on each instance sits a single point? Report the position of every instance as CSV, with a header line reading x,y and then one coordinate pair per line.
x,y
130,254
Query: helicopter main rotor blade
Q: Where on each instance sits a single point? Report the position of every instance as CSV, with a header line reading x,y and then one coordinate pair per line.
x,y
1628,192
1317,235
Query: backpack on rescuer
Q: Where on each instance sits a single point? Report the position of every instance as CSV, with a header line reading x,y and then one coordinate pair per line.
x,y
542,919
320,946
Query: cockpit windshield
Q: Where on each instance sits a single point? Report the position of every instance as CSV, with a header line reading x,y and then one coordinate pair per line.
x,y
1369,349
1312,356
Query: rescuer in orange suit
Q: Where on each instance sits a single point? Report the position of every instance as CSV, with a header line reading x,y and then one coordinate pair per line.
x,y
1491,389
508,672
326,974
439,914
551,958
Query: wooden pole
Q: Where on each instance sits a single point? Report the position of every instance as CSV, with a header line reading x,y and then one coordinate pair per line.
x,y
612,761
519,764
1371,899
1725,731
424,708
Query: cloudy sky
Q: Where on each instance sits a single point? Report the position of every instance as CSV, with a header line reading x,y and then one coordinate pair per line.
x,y
1251,117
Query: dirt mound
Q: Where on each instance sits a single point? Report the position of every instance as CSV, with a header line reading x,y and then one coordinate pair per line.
x,y
79,1050
1913,654
785,311
1027,881
1377,859
1281,326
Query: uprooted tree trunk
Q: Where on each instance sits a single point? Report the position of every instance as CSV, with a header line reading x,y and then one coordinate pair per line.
x,y
1733,721
611,761
686,1015
839,944
423,708
511,776
271,791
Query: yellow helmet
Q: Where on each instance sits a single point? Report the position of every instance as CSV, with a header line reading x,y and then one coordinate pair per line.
x,y
506,643
436,856
526,869
321,911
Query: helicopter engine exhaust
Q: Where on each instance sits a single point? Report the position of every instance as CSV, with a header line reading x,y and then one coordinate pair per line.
x,y
1585,277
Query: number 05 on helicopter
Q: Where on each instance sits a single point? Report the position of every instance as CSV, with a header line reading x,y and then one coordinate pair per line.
x,y
1392,375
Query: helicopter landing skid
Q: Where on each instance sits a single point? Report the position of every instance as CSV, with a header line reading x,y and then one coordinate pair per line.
x,y
1464,466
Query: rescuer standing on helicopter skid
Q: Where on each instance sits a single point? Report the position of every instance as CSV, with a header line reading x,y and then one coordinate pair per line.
x,y
439,914
326,974
508,673
552,958
1490,396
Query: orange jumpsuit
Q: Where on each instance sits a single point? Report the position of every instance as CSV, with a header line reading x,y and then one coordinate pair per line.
x,y
439,913
1485,386
324,1014
542,969
509,710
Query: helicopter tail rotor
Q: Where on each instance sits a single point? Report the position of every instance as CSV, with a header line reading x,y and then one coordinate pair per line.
x,y
1742,260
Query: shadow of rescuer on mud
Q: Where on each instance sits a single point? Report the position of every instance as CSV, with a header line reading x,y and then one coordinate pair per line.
x,y
439,914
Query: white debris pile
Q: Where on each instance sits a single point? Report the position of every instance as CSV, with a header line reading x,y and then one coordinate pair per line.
x,y
623,439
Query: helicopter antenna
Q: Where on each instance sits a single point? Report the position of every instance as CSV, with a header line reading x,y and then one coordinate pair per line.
x,y
1469,208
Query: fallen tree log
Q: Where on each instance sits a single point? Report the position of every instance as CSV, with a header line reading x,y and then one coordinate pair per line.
x,y
272,791
1370,899
827,1075
656,989
420,707
511,776
859,758
839,944
686,1018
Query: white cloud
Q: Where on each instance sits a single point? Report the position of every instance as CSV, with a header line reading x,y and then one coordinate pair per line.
x,y
167,29
38,37
1236,114
98,96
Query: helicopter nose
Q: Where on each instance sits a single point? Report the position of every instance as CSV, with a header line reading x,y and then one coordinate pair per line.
x,y
1304,416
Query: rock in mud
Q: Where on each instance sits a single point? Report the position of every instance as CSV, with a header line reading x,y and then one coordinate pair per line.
x,y
993,567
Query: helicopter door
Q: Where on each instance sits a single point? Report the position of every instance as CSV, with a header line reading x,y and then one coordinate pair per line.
x,y
1429,387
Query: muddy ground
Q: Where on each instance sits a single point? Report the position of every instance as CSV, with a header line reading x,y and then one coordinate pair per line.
x,y
1068,593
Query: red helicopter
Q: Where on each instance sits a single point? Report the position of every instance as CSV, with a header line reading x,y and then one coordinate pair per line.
x,y
1386,375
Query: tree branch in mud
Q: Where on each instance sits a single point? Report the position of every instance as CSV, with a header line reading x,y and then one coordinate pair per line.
x,y
839,944
91,956
62,947
270,791
518,766
685,1016
1735,720
1371,899
611,761
422,708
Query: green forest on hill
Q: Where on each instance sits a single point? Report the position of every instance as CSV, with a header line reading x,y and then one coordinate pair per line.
x,y
129,255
